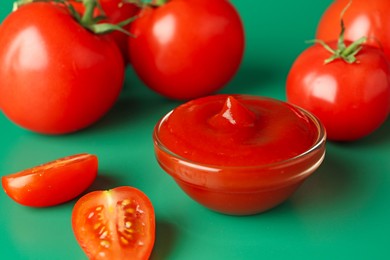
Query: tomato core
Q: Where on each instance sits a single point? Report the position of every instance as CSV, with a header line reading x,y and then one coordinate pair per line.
x,y
126,212
115,224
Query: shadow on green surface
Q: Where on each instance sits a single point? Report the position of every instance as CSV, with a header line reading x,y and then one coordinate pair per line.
x,y
131,110
379,137
165,240
332,184
253,78
346,173
104,182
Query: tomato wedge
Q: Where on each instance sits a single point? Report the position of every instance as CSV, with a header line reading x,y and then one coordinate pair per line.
x,y
115,224
52,183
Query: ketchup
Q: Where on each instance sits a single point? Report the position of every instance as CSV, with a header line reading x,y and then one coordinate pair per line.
x,y
239,154
237,130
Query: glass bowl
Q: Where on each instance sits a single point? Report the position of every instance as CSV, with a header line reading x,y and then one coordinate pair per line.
x,y
241,190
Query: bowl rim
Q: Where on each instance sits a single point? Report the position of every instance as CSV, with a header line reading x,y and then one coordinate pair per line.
x,y
318,143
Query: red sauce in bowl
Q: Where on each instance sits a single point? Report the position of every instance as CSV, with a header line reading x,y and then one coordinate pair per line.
x,y
237,131
251,151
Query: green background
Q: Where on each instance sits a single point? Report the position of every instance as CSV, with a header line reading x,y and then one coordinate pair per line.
x,y
341,212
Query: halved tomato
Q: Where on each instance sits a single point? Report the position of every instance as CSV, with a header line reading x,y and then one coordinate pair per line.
x,y
52,183
115,224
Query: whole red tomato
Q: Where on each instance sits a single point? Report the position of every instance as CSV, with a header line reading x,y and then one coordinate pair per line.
x,y
115,224
52,183
351,99
362,18
187,48
56,77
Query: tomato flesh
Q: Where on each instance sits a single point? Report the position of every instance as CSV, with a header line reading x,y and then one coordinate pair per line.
x,y
115,224
52,183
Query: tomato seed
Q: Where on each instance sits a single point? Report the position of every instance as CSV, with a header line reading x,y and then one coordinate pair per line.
x,y
125,202
124,240
104,235
105,243
96,226
128,224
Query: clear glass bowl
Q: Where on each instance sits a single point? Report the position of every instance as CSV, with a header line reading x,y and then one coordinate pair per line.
x,y
241,190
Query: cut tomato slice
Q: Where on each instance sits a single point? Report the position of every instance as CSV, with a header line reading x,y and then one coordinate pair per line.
x,y
52,183
115,224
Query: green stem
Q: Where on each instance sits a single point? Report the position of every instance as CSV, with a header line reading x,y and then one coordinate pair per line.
x,y
143,3
87,18
346,53
353,47
158,2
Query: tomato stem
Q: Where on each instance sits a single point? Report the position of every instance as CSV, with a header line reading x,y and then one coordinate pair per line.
x,y
143,3
346,53
88,19
93,23
158,2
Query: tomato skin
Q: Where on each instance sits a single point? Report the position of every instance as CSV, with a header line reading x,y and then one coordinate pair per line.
x,y
55,76
52,183
115,224
187,48
362,18
116,11
351,100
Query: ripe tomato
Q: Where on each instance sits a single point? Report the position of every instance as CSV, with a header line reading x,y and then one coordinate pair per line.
x,y
351,100
115,224
52,183
55,76
116,11
362,18
187,48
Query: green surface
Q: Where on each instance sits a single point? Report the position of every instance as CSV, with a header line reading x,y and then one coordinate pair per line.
x,y
341,212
